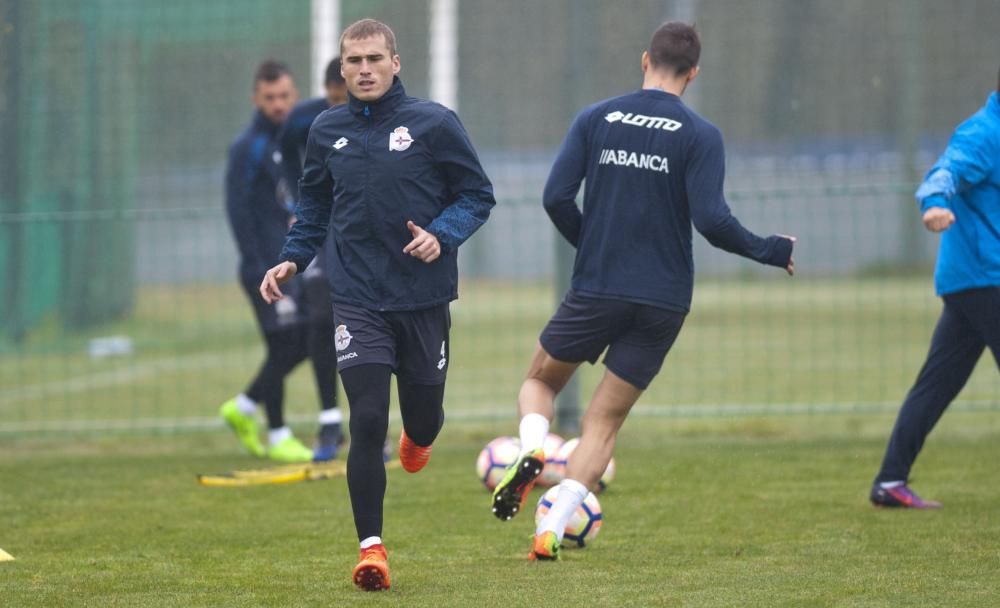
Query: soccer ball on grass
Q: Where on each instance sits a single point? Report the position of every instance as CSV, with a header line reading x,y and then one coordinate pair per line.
x,y
582,526
562,458
493,460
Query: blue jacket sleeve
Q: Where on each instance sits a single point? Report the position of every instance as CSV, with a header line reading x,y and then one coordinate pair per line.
x,y
240,172
469,188
312,212
969,159
563,184
704,178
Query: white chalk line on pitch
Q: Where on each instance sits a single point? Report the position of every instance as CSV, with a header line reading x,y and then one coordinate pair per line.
x,y
114,377
201,423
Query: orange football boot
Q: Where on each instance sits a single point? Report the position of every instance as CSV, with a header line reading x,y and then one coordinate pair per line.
x,y
545,547
372,571
412,456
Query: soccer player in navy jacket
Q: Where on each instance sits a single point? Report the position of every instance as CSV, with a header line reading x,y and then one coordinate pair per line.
x,y
651,167
960,198
315,285
398,183
259,221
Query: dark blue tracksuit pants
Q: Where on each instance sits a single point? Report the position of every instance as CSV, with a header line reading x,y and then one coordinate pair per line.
x,y
969,323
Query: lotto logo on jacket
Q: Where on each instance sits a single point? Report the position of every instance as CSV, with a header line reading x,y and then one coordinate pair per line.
x,y
640,120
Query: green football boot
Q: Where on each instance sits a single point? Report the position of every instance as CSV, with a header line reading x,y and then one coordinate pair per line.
x,y
512,491
290,450
244,426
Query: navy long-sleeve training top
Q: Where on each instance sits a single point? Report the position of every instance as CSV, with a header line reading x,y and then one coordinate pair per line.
x,y
651,167
257,216
372,166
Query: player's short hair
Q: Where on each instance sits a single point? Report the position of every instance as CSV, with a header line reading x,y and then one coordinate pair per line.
x,y
270,70
333,75
675,45
367,28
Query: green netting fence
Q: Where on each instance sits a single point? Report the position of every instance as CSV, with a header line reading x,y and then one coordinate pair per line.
x,y
120,306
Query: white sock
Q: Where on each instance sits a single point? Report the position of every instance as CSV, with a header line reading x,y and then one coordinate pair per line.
x,y
331,416
371,541
533,430
246,405
891,484
276,436
571,495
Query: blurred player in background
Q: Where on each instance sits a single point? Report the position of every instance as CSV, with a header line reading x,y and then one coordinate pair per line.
x,y
652,167
296,129
960,198
398,184
315,285
259,218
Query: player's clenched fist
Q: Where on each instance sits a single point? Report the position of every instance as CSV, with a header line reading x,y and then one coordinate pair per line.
x,y
938,219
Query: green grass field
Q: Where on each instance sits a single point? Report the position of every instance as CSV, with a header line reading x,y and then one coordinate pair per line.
x,y
757,511
742,476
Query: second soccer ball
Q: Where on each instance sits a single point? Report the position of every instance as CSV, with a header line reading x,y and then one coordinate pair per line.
x,y
493,460
562,458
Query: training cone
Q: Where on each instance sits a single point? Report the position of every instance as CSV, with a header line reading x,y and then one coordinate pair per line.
x,y
5,557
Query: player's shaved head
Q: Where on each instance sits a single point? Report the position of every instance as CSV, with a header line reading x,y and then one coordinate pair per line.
x,y
675,46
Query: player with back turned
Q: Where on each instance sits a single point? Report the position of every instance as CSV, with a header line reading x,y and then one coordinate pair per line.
x,y
651,167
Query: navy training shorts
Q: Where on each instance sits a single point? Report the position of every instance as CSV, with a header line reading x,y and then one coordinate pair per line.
x,y
413,342
637,336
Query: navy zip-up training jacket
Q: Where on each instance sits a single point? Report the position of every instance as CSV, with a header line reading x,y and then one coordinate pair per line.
x,y
370,167
258,219
652,167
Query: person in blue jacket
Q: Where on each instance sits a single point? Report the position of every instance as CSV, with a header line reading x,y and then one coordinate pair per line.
x,y
959,198
651,167
259,221
315,285
398,184
295,131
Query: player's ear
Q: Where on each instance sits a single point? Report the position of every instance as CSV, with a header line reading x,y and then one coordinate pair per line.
x,y
693,73
645,61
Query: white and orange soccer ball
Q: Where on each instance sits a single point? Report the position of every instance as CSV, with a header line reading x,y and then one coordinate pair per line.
x,y
554,470
493,460
562,457
583,525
